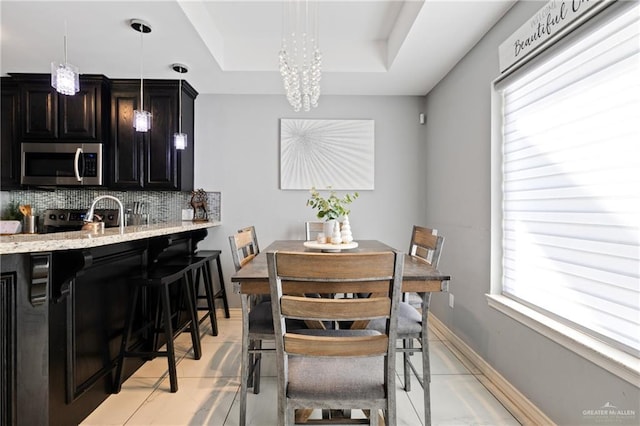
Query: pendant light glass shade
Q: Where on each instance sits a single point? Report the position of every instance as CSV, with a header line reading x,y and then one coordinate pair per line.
x,y
64,77
179,138
141,118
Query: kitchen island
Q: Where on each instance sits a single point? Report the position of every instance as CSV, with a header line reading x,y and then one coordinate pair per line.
x,y
63,301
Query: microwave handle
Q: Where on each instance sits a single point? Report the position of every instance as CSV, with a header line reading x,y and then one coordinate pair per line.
x,y
76,163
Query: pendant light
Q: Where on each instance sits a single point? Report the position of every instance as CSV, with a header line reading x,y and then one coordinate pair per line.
x,y
64,77
180,139
141,118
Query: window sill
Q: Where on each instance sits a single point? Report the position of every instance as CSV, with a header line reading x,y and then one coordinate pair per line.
x,y
622,364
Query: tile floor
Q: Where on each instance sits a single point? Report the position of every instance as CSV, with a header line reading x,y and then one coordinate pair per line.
x,y
208,391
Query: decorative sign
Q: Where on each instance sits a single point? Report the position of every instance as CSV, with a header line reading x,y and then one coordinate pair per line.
x,y
326,153
544,26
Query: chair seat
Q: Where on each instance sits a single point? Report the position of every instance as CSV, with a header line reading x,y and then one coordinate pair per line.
x,y
160,275
335,379
409,321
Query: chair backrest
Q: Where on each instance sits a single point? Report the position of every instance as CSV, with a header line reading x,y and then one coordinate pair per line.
x,y
426,244
252,229
243,247
292,274
312,229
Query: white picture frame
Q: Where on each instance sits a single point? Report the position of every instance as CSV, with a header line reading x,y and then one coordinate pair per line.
x,y
338,154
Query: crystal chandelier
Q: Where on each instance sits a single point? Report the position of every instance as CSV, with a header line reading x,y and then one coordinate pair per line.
x,y
300,57
64,77
141,118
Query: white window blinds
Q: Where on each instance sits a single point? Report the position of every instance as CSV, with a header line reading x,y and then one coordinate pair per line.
x,y
571,183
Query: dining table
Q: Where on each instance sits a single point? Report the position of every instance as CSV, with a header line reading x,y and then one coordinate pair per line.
x,y
418,276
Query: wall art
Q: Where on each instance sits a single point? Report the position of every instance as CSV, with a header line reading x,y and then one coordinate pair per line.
x,y
327,153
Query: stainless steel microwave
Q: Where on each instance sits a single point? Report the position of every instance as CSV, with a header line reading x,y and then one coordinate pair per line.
x,y
65,164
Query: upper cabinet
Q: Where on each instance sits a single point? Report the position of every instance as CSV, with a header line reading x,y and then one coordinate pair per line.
x,y
149,160
9,150
102,112
50,117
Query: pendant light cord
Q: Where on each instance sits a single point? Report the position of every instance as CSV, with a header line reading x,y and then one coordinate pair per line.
x,y
141,64
180,104
65,42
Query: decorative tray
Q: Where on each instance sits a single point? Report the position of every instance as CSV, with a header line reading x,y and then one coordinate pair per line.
x,y
330,248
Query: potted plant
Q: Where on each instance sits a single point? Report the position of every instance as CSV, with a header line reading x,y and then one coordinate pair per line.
x,y
331,208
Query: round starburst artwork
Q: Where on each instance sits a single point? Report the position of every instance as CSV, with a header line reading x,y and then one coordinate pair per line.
x,y
327,153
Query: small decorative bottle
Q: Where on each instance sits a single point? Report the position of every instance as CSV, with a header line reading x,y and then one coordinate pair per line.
x,y
335,237
346,231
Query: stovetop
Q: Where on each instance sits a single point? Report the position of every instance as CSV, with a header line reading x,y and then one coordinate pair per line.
x,y
61,220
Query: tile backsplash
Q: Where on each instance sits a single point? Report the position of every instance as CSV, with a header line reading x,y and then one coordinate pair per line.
x,y
163,206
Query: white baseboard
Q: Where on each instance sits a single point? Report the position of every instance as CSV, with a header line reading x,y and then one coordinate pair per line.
x,y
511,398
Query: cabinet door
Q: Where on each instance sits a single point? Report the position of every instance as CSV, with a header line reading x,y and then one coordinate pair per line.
x,y
149,160
80,114
160,155
9,141
40,112
126,143
185,157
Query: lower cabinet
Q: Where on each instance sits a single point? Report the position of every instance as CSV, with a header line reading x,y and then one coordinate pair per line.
x,y
24,339
148,160
87,310
62,315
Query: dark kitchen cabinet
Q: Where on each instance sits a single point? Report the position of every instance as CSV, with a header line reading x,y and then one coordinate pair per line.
x,y
149,160
24,338
9,147
47,116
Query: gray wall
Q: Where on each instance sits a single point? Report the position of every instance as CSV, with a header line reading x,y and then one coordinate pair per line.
x,y
237,152
457,190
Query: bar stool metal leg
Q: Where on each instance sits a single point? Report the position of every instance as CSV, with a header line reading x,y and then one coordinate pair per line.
x,y
202,270
166,317
187,286
128,328
223,292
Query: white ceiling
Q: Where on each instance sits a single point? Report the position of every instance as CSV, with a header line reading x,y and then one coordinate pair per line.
x,y
375,47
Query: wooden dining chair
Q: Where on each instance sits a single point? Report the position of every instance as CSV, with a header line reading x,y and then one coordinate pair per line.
x,y
312,229
426,245
257,322
244,246
338,369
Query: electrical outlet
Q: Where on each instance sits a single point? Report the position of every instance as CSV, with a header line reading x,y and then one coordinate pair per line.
x,y
450,300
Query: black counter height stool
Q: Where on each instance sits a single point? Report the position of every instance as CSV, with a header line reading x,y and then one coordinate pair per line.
x,y
203,259
199,267
159,278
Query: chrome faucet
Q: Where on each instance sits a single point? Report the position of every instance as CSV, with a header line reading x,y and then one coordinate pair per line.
x,y
89,217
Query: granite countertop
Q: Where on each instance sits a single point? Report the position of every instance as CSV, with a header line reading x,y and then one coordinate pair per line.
x,y
30,243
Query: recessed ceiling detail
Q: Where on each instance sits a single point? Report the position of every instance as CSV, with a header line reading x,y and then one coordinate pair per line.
x,y
369,47
356,36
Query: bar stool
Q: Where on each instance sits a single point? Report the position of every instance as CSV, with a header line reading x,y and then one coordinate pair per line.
x,y
199,268
160,278
205,257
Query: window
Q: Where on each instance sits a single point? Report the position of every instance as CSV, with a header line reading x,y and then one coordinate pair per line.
x,y
570,175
